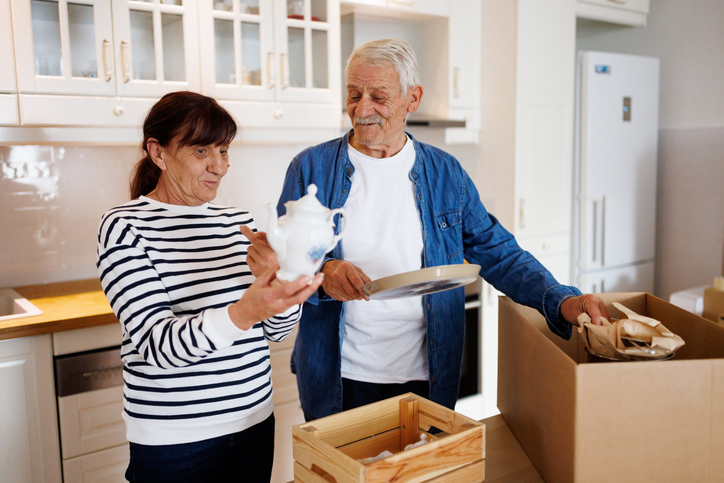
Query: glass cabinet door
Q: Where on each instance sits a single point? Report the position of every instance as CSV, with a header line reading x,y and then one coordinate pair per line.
x,y
156,46
66,46
237,49
309,50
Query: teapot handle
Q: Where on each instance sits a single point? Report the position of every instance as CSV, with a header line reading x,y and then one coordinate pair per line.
x,y
337,237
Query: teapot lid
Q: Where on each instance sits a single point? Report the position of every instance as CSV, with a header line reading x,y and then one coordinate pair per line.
x,y
309,202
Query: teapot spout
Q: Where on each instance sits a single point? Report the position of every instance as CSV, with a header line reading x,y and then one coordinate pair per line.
x,y
277,237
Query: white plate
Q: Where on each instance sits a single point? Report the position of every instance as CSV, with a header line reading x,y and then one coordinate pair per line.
x,y
421,282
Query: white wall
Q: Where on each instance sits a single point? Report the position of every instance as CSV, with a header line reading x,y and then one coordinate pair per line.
x,y
688,38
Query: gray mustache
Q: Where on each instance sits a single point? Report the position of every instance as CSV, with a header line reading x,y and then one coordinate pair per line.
x,y
368,120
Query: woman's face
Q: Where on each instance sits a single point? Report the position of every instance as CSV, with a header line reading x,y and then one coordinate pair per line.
x,y
190,175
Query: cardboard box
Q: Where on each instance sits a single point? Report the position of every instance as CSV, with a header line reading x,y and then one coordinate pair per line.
x,y
714,305
614,421
329,449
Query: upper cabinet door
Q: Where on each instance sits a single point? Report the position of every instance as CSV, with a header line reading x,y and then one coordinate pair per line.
x,y
7,59
66,46
307,41
156,46
237,49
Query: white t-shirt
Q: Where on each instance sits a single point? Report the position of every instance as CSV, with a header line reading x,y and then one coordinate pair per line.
x,y
384,340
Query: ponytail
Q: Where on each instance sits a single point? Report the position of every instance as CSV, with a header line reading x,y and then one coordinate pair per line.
x,y
145,177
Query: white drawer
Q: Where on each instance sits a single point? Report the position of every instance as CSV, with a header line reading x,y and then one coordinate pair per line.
x,y
91,421
90,338
107,466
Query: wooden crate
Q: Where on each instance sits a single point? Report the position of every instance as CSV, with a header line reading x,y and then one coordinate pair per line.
x,y
329,449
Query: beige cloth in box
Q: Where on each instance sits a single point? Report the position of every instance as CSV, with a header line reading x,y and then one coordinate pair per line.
x,y
635,338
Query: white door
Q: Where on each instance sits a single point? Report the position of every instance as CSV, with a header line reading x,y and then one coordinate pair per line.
x,y
237,49
619,135
307,42
156,45
64,46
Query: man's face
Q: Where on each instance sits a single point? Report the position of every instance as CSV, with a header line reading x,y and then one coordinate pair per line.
x,y
377,109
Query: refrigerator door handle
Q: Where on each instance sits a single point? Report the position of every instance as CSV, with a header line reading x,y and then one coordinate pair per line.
x,y
592,232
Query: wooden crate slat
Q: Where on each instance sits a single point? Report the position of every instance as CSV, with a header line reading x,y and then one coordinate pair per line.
x,y
442,418
373,445
309,450
356,424
429,460
409,421
303,475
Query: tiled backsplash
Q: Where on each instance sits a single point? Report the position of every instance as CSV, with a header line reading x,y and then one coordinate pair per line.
x,y
53,198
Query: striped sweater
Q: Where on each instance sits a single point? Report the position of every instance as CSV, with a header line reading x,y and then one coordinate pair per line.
x,y
170,273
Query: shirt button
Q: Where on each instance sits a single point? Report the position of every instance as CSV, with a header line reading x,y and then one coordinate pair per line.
x,y
350,169
344,192
444,225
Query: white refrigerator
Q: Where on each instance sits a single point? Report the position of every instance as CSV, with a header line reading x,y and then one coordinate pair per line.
x,y
614,208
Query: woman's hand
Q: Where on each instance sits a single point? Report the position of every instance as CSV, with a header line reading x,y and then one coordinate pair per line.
x,y
342,281
260,257
267,297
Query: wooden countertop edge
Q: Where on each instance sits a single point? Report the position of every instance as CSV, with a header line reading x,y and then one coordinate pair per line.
x,y
66,306
53,326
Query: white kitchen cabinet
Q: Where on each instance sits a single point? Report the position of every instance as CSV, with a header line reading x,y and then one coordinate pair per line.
x,y
106,47
8,97
280,55
528,96
446,40
101,62
625,12
29,448
464,70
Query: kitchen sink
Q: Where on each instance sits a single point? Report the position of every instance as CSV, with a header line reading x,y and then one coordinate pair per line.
x,y
13,305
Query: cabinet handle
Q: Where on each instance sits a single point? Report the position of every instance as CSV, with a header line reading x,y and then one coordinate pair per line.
x,y
456,87
125,61
107,67
284,69
270,69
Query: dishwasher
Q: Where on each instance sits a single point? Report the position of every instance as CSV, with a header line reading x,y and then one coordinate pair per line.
x,y
89,390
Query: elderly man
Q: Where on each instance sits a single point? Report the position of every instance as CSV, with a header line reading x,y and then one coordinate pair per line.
x,y
410,205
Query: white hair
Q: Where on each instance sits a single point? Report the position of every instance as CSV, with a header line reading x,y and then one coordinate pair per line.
x,y
389,51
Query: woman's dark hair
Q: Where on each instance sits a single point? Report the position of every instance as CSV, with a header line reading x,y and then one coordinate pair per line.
x,y
197,119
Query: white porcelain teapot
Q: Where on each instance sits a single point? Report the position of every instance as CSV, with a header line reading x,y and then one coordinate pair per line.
x,y
303,235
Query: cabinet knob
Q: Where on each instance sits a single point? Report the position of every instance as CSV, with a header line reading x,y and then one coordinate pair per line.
x,y
278,114
119,111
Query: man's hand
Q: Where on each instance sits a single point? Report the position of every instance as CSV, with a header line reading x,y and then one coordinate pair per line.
x,y
590,304
342,281
260,257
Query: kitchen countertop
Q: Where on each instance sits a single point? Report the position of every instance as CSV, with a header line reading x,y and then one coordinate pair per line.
x,y
65,306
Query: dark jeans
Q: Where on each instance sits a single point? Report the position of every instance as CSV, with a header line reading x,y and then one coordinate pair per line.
x,y
246,456
357,393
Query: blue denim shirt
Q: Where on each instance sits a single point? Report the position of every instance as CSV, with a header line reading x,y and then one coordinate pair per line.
x,y
455,226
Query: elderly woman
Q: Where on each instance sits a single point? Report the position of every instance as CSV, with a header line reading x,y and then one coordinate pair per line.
x,y
195,320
